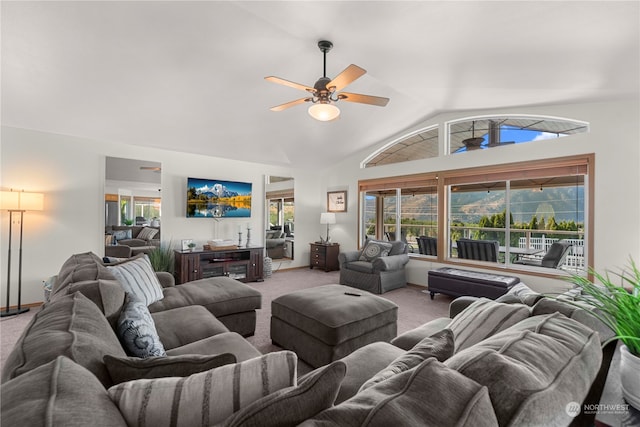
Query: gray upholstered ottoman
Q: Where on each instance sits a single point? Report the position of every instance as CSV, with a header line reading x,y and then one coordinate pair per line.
x,y
325,323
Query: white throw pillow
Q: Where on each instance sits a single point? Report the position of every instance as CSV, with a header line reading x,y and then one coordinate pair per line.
x,y
138,278
205,398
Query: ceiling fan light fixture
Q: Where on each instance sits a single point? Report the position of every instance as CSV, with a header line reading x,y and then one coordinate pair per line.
x,y
324,112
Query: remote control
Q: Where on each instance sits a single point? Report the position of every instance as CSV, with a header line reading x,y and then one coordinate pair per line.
x,y
353,294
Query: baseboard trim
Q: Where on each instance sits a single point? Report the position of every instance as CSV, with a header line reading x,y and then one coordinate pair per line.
x,y
31,305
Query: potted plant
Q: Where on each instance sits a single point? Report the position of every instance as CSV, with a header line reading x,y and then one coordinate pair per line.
x,y
617,304
161,258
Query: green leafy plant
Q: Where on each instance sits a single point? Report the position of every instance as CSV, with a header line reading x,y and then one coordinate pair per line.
x,y
617,304
161,257
127,221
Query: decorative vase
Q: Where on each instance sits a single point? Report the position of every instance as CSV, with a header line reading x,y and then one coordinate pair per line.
x,y
630,376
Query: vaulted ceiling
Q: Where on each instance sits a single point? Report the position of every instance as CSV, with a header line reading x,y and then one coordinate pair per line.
x,y
189,76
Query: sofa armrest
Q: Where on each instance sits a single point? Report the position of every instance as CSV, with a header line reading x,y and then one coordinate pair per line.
x,y
459,304
348,256
390,263
133,243
166,279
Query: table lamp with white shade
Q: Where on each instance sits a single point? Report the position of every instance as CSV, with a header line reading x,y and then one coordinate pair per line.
x,y
327,218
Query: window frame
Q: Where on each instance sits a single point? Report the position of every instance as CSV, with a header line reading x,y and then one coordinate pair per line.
x,y
561,166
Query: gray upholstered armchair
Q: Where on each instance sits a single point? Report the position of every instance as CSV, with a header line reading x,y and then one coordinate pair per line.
x,y
372,270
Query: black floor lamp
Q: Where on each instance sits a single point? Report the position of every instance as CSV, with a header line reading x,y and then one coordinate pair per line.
x,y
17,202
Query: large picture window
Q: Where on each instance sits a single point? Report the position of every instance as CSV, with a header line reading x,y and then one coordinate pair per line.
x,y
533,216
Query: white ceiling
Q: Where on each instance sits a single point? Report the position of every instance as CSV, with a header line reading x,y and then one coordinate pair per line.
x,y
189,76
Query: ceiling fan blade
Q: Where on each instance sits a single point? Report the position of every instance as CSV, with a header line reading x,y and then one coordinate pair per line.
x,y
289,104
290,84
348,75
363,99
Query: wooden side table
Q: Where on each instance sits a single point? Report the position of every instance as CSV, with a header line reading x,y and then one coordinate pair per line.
x,y
324,256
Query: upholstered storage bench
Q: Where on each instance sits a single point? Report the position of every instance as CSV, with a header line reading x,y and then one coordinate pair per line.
x,y
325,323
457,282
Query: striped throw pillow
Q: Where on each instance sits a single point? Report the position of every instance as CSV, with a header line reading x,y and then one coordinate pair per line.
x,y
138,278
147,233
205,398
485,318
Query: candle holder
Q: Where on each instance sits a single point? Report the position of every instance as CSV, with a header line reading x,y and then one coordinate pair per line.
x,y
248,236
239,238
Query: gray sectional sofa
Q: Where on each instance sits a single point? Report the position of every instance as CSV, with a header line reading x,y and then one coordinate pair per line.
x,y
517,361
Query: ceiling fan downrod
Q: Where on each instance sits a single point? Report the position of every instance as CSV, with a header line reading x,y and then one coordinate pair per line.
x,y
325,46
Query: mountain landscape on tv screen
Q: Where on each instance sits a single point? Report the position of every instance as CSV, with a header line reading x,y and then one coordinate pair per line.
x,y
218,199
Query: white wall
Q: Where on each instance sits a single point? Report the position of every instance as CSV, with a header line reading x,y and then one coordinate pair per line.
x,y
614,138
71,173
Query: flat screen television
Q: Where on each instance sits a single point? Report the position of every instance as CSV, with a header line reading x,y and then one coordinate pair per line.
x,y
212,198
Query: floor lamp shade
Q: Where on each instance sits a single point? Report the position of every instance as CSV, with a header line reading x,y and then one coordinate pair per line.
x,y
327,218
21,201
17,202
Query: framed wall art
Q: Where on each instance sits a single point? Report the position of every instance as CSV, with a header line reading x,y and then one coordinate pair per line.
x,y
336,201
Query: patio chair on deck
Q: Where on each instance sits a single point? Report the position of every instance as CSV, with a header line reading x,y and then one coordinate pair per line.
x,y
428,245
391,236
554,257
479,250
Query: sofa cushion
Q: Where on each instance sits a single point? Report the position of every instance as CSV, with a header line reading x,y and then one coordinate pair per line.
x,y
576,310
205,398
108,295
361,266
438,345
292,405
227,342
520,293
136,330
410,338
428,395
124,369
362,364
534,369
71,326
138,278
183,325
483,319
220,295
58,393
374,249
78,268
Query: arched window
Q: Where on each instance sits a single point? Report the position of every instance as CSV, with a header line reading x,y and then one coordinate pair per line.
x,y
422,144
479,133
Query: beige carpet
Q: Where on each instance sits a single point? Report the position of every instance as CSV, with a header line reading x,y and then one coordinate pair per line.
x,y
415,307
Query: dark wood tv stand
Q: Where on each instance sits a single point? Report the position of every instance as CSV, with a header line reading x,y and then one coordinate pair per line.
x,y
243,264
